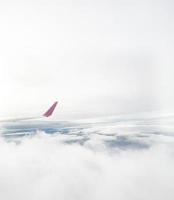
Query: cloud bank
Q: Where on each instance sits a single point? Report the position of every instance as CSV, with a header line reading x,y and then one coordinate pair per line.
x,y
53,167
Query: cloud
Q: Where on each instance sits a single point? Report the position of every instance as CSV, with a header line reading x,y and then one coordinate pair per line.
x,y
48,168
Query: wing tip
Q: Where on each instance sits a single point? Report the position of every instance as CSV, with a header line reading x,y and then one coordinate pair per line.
x,y
50,111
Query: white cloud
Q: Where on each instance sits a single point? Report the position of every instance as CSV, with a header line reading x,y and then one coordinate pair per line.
x,y
46,168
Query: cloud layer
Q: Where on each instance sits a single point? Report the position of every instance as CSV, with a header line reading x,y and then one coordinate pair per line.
x,y
83,164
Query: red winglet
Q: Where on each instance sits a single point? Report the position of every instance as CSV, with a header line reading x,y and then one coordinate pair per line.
x,y
49,112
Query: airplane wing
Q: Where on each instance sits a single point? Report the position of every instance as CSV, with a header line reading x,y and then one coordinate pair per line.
x,y
47,114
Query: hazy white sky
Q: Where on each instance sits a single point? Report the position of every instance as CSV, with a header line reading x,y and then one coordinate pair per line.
x,y
95,57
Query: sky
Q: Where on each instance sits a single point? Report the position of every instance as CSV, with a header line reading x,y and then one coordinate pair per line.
x,y
95,57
